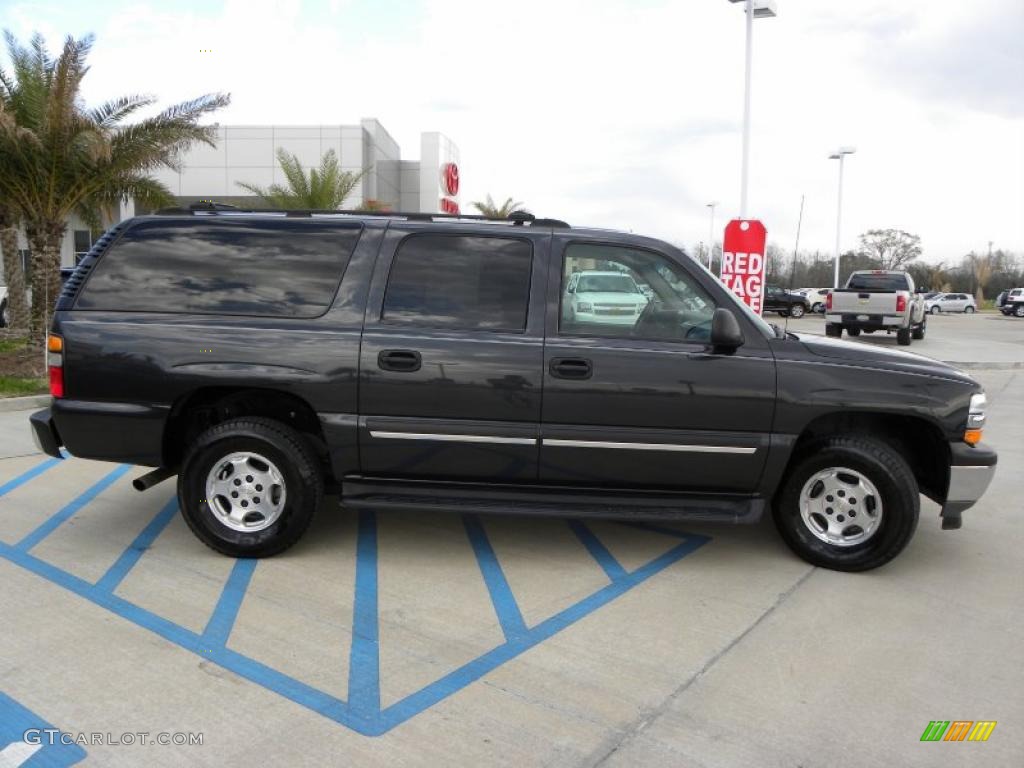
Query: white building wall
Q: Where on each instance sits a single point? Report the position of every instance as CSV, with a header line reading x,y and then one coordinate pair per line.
x,y
436,150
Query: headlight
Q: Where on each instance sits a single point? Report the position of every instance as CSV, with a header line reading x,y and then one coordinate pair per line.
x,y
975,419
584,306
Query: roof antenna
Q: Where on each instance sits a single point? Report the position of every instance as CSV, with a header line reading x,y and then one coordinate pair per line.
x,y
796,250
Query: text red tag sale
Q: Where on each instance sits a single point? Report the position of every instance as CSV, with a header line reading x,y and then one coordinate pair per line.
x,y
743,262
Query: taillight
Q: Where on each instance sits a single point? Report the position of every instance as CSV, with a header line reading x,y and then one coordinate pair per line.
x,y
55,361
828,300
901,302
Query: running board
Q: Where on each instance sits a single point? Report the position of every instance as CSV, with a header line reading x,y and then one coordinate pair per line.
x,y
413,496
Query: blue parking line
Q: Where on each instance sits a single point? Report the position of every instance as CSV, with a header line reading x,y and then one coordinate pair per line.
x,y
454,681
24,477
505,606
598,550
222,620
27,740
70,509
364,654
116,573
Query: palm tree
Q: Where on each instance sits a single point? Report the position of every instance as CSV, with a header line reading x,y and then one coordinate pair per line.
x,y
58,157
324,190
17,304
493,211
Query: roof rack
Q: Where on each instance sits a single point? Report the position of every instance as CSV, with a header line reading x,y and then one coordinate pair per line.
x,y
516,218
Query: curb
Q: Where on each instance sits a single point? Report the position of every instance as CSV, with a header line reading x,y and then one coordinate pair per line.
x,y
23,403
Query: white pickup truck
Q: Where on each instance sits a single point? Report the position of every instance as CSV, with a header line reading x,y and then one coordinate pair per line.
x,y
876,300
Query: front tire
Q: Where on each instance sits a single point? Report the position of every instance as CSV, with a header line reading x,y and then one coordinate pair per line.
x,y
249,487
848,503
797,311
919,331
969,310
835,330
818,308
1018,311
935,309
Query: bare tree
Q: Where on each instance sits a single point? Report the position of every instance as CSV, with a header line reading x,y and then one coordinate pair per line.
x,y
892,248
981,267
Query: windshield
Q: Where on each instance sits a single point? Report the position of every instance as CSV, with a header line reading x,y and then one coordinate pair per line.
x,y
869,281
607,284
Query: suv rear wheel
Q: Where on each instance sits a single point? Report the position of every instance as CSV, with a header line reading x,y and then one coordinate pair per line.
x,y
249,487
903,337
850,504
797,310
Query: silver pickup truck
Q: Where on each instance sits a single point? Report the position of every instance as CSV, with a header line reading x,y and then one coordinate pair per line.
x,y
877,300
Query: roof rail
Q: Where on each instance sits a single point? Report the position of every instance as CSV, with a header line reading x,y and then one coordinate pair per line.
x,y
516,218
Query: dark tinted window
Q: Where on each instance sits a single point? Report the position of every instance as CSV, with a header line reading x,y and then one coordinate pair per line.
x,y
871,282
459,281
283,268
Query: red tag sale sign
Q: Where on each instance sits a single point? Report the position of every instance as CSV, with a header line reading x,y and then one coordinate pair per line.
x,y
743,261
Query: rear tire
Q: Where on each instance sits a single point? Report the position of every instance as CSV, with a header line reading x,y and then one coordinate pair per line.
x,y
969,310
1018,311
935,309
853,332
818,308
835,330
797,311
812,533
257,449
903,337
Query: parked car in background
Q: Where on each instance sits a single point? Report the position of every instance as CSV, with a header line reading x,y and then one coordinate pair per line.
x,y
815,298
951,302
1013,303
876,300
786,303
603,297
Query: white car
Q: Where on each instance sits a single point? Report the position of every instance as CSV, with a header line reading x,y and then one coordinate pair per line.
x,y
608,298
815,298
951,302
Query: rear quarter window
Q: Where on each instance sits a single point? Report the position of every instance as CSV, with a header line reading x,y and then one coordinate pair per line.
x,y
219,266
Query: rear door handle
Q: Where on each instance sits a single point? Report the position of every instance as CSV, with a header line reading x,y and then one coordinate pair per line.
x,y
570,368
400,360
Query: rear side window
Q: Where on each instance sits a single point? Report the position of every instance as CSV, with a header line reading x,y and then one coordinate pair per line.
x,y
870,282
460,281
265,268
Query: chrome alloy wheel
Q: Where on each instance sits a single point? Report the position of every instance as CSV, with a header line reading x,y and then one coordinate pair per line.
x,y
245,491
840,506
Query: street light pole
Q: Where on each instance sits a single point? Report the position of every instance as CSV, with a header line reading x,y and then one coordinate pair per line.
x,y
839,155
761,9
711,236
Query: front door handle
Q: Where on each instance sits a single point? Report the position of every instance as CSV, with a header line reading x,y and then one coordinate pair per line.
x,y
400,360
570,368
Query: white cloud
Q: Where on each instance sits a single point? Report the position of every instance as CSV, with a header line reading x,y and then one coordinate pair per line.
x,y
627,114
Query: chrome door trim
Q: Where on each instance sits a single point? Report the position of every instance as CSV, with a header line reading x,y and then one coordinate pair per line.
x,y
447,438
647,446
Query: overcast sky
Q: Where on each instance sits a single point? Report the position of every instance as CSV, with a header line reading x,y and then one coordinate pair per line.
x,y
626,113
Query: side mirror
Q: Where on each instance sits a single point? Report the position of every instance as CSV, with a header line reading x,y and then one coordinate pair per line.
x,y
726,333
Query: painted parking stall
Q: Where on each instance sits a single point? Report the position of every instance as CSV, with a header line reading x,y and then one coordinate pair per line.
x,y
360,708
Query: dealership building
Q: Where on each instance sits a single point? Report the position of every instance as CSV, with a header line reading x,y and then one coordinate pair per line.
x,y
248,153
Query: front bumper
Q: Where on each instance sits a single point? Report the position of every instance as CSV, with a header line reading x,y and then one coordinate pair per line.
x,y
971,470
44,432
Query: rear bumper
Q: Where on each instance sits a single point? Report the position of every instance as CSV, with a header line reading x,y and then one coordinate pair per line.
x,y
44,432
867,319
124,432
970,473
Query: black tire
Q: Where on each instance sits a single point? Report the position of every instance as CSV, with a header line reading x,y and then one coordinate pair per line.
x,y
919,331
935,309
891,476
968,310
1018,311
834,330
903,337
4,319
291,455
783,313
818,308
797,311
869,330
853,332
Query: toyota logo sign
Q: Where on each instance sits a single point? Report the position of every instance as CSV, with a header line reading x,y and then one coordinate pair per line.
x,y
450,178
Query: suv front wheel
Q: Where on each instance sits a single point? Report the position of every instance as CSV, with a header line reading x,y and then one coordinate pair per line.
x,y
850,504
249,487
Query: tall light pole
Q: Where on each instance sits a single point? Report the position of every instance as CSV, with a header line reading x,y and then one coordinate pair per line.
x,y
711,235
761,9
839,154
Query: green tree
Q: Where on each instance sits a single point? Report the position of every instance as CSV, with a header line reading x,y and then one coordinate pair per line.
x,y
492,210
891,248
17,304
325,189
58,156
